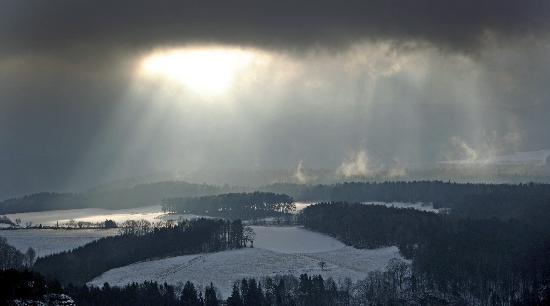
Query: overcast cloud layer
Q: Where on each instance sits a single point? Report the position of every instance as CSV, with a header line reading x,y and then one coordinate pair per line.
x,y
50,25
376,83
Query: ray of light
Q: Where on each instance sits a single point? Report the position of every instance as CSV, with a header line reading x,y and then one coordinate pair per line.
x,y
206,71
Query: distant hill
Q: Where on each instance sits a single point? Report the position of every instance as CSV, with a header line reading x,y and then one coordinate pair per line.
x,y
233,206
503,201
139,195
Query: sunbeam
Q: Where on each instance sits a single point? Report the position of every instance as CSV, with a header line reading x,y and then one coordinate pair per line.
x,y
208,72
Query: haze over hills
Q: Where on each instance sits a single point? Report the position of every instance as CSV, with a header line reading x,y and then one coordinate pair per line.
x,y
531,166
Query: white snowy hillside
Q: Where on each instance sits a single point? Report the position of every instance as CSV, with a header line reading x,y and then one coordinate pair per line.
x,y
50,241
278,251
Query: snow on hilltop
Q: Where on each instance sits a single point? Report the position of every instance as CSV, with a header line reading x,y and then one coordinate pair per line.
x,y
278,251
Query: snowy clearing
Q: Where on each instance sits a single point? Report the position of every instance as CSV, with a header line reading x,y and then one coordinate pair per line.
x,y
224,268
293,239
49,241
278,251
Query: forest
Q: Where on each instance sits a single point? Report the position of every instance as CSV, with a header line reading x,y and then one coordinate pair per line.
x,y
244,206
479,260
390,287
469,200
135,244
472,200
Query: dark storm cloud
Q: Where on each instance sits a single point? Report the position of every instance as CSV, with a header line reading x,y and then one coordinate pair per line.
x,y
68,119
48,25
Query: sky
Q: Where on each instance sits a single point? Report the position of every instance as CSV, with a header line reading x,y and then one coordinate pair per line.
x,y
92,91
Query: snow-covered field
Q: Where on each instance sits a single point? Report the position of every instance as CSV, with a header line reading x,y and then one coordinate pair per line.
x,y
293,240
150,213
49,241
278,251
419,206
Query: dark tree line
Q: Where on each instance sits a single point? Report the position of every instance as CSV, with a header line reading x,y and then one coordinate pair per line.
x,y
478,260
394,286
146,293
504,201
86,262
371,226
287,291
17,284
233,205
278,291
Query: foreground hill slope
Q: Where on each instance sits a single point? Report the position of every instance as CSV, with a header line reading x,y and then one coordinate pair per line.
x,y
278,251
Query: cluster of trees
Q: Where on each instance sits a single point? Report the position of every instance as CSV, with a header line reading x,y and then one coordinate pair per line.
x,y
371,226
86,262
287,290
146,293
253,205
12,258
73,224
477,260
399,285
